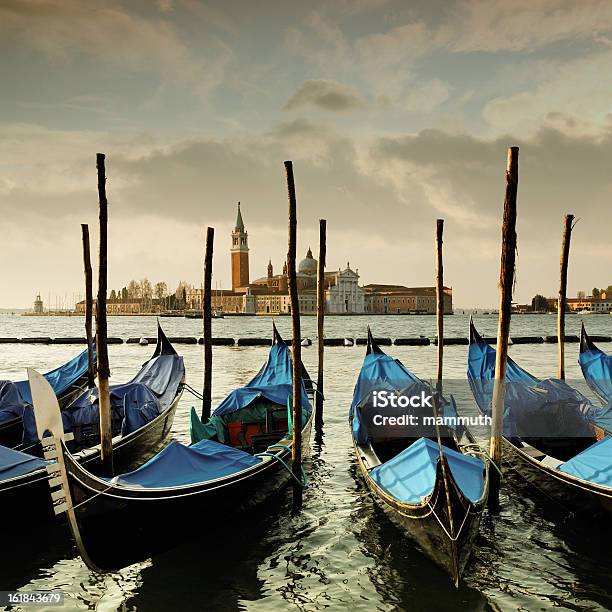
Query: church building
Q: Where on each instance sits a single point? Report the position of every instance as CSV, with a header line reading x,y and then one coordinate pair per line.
x,y
269,294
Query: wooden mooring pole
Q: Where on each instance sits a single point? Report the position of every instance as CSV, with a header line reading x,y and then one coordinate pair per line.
x,y
320,320
207,323
565,249
439,301
296,348
506,283
91,367
106,436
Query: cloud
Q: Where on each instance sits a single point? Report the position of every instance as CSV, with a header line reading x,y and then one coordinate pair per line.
x,y
520,25
425,97
326,95
65,31
573,98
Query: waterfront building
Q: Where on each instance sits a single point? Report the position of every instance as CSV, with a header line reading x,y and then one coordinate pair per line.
x,y
269,294
397,299
38,305
602,304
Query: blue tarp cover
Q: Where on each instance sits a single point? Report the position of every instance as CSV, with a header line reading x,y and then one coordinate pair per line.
x,y
597,369
134,403
274,382
60,379
378,372
14,463
533,407
179,465
411,475
11,404
593,464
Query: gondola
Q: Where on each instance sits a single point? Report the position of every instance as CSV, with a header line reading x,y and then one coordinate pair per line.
x,y
67,382
238,459
553,436
596,367
142,413
432,482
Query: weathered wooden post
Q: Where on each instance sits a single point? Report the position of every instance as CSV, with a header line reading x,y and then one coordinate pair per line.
x,y
207,323
506,282
296,348
320,320
106,436
91,368
565,249
439,301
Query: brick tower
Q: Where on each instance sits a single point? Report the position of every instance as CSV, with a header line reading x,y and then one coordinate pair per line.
x,y
240,254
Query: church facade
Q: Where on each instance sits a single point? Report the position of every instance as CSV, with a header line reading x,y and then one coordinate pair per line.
x,y
269,295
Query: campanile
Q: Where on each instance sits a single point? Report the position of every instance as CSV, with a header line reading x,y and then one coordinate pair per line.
x,y
240,254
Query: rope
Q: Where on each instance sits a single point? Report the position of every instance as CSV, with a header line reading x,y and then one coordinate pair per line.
x,y
304,482
450,537
482,451
193,392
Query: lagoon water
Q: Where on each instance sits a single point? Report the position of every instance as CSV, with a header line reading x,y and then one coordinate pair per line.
x,y
340,551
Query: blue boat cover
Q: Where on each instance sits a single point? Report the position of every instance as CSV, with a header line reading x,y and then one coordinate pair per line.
x,y
14,463
411,475
133,404
179,465
597,369
60,379
11,403
378,372
274,382
15,396
382,372
593,464
533,407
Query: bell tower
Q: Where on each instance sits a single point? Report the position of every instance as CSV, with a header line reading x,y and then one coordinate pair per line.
x,y
240,254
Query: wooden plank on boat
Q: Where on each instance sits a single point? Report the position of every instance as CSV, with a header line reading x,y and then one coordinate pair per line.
x,y
36,340
114,341
69,340
9,340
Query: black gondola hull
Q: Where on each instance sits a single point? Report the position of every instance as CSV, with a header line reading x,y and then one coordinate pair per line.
x,y
146,522
573,494
428,525
26,498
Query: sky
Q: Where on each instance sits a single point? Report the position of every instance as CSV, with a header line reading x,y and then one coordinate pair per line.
x,y
394,114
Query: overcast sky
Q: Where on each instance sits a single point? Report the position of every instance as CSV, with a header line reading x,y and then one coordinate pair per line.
x,y
394,113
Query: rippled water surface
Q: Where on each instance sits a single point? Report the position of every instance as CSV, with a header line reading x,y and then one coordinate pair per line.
x,y
340,551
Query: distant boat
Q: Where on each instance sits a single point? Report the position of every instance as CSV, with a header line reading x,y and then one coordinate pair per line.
x,y
198,314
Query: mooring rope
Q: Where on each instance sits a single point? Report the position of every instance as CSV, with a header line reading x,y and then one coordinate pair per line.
x,y
193,392
304,482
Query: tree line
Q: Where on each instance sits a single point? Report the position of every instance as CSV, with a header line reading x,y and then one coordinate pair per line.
x,y
152,293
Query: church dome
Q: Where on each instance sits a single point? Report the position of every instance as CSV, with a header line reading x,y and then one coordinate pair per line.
x,y
308,265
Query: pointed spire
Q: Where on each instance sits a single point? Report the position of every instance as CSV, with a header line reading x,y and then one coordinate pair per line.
x,y
309,254
239,221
